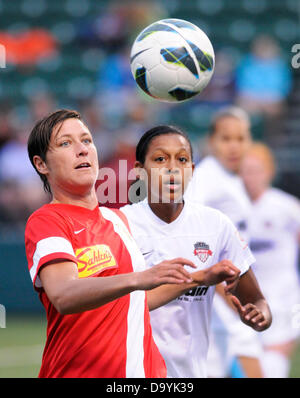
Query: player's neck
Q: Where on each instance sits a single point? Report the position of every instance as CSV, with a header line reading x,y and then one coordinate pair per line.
x,y
168,212
255,196
88,200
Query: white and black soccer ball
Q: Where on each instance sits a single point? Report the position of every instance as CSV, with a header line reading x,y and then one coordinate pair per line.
x,y
172,60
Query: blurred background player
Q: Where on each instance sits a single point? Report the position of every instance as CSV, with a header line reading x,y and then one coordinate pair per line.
x,y
274,230
216,183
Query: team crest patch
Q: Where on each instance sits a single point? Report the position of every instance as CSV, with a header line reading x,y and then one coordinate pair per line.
x,y
202,251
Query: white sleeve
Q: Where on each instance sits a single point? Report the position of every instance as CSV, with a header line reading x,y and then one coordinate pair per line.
x,y
234,247
294,215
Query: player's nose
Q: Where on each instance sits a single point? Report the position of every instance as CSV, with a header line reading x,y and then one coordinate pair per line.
x,y
172,166
81,149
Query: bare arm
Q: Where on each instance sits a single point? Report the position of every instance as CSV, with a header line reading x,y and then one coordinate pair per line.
x,y
227,298
222,271
251,304
70,294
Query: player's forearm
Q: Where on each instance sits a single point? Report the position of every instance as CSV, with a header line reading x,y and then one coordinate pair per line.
x,y
164,294
80,295
220,291
70,294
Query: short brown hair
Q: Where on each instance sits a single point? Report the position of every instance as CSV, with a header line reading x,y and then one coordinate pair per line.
x,y
265,155
39,139
228,111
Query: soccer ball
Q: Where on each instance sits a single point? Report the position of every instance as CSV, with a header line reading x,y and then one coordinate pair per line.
x,y
172,60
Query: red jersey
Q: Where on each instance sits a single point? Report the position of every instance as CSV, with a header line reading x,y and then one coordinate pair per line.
x,y
114,340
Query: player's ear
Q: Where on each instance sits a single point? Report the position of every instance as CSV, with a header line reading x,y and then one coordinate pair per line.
x,y
138,165
139,170
40,165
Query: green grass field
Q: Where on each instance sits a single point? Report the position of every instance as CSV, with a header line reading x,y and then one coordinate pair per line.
x,y
21,345
22,342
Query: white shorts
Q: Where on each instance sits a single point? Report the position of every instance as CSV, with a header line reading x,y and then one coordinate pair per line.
x,y
285,327
230,338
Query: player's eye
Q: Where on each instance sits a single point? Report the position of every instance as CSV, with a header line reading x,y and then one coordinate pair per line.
x,y
225,138
183,159
87,140
159,159
64,143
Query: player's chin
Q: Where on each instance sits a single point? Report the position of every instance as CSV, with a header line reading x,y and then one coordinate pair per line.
x,y
85,182
171,198
234,164
172,194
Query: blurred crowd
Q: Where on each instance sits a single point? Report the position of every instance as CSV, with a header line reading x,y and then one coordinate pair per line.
x,y
117,113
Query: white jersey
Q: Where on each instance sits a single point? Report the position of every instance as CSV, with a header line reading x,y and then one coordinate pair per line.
x,y
212,185
204,236
274,229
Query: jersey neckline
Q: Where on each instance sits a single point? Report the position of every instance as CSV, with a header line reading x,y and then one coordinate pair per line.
x,y
161,222
74,207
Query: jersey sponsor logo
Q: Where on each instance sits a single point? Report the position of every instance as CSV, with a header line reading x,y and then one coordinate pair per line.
x,y
197,291
196,294
94,259
202,251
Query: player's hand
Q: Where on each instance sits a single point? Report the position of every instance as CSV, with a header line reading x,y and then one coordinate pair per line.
x,y
251,315
224,271
168,271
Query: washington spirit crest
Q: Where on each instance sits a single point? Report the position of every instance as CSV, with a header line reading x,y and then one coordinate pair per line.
x,y
202,251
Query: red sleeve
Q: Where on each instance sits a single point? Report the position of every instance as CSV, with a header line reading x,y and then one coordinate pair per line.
x,y
46,238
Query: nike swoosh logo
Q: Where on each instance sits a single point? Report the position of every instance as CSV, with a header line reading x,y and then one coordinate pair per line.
x,y
78,232
145,254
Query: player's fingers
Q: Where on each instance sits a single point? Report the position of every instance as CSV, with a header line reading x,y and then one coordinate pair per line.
x,y
249,307
236,302
182,270
177,271
174,279
167,269
231,281
262,323
225,274
229,264
258,318
171,280
228,271
230,287
230,274
168,266
251,314
183,261
232,277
